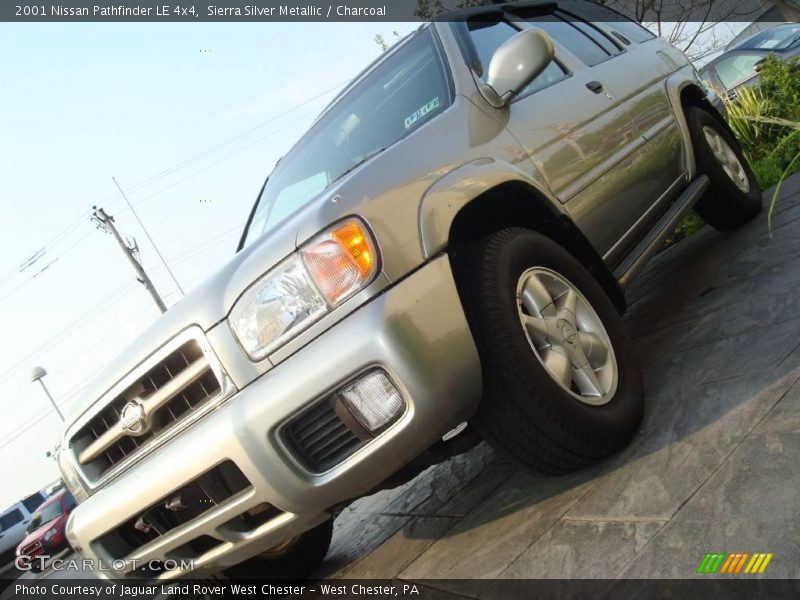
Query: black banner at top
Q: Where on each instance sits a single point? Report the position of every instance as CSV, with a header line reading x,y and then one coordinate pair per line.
x,y
701,11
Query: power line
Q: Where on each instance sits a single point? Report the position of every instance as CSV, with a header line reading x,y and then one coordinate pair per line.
x,y
77,243
184,163
219,160
116,198
49,245
92,313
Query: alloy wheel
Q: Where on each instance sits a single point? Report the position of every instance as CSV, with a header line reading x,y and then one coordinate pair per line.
x,y
567,336
727,158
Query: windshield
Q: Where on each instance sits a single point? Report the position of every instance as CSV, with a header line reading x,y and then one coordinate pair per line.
x,y
736,68
776,38
402,93
47,513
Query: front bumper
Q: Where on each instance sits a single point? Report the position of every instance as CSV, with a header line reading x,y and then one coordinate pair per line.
x,y
416,331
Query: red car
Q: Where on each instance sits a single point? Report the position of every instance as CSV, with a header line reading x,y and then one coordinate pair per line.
x,y
46,530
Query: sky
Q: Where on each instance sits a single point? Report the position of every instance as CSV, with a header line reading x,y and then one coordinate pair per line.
x,y
189,118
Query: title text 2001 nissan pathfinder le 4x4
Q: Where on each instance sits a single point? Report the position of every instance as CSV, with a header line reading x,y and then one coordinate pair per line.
x,y
447,244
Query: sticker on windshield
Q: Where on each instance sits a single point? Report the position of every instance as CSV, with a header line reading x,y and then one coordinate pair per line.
x,y
417,115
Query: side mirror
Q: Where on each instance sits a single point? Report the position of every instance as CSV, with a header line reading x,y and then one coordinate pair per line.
x,y
518,62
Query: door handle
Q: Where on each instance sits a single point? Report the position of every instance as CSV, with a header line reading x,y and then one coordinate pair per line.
x,y
595,86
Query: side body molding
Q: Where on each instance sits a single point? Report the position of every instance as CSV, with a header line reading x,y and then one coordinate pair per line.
x,y
453,191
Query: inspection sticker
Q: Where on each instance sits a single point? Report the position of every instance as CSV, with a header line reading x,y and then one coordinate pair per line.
x,y
417,115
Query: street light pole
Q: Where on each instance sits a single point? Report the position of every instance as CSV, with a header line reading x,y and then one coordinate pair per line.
x,y
37,374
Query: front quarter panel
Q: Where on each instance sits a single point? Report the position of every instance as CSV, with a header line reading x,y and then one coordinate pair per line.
x,y
448,195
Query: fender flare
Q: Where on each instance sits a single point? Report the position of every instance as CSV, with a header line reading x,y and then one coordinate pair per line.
x,y
675,85
450,193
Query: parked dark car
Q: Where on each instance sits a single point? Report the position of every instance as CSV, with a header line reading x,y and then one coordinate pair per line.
x,y
46,529
739,65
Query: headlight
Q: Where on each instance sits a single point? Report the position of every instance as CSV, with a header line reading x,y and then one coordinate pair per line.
x,y
304,287
50,534
68,474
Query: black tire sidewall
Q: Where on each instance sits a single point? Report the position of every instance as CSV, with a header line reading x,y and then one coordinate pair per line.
x,y
513,373
724,205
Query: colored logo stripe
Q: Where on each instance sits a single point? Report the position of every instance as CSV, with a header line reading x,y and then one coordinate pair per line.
x,y
722,562
711,562
758,563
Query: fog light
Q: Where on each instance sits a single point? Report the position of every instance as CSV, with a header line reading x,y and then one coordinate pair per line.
x,y
373,400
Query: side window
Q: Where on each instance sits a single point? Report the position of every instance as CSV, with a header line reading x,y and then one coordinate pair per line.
x,y
617,22
11,518
33,502
633,31
587,48
597,36
488,36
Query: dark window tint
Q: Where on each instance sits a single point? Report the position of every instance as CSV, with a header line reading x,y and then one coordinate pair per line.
x,y
33,502
11,518
488,36
618,22
597,36
586,49
69,501
632,31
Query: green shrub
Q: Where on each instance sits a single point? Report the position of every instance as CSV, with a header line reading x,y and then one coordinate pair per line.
x,y
766,120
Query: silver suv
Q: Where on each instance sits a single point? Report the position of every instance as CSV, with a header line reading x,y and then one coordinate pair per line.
x,y
440,259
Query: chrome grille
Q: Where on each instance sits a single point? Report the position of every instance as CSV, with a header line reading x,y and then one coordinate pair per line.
x,y
163,393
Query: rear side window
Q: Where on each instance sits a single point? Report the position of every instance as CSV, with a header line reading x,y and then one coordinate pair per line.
x,y
617,22
632,31
11,518
584,41
488,35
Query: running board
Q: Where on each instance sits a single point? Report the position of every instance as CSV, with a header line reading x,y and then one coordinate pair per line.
x,y
654,240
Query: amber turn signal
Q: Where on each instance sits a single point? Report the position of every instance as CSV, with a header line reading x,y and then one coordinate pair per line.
x,y
341,261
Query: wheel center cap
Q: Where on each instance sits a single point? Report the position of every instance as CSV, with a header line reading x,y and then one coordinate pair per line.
x,y
568,331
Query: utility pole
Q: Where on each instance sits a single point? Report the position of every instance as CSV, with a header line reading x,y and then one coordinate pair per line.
x,y
131,250
152,243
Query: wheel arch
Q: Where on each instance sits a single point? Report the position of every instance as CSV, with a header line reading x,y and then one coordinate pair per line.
x,y
486,196
684,92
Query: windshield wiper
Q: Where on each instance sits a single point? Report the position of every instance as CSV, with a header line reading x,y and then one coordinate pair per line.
x,y
372,154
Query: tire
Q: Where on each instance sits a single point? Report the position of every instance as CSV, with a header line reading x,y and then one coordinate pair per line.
x,y
297,563
524,411
725,206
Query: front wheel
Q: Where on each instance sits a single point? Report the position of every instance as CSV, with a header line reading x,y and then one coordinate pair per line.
x,y
561,385
734,197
